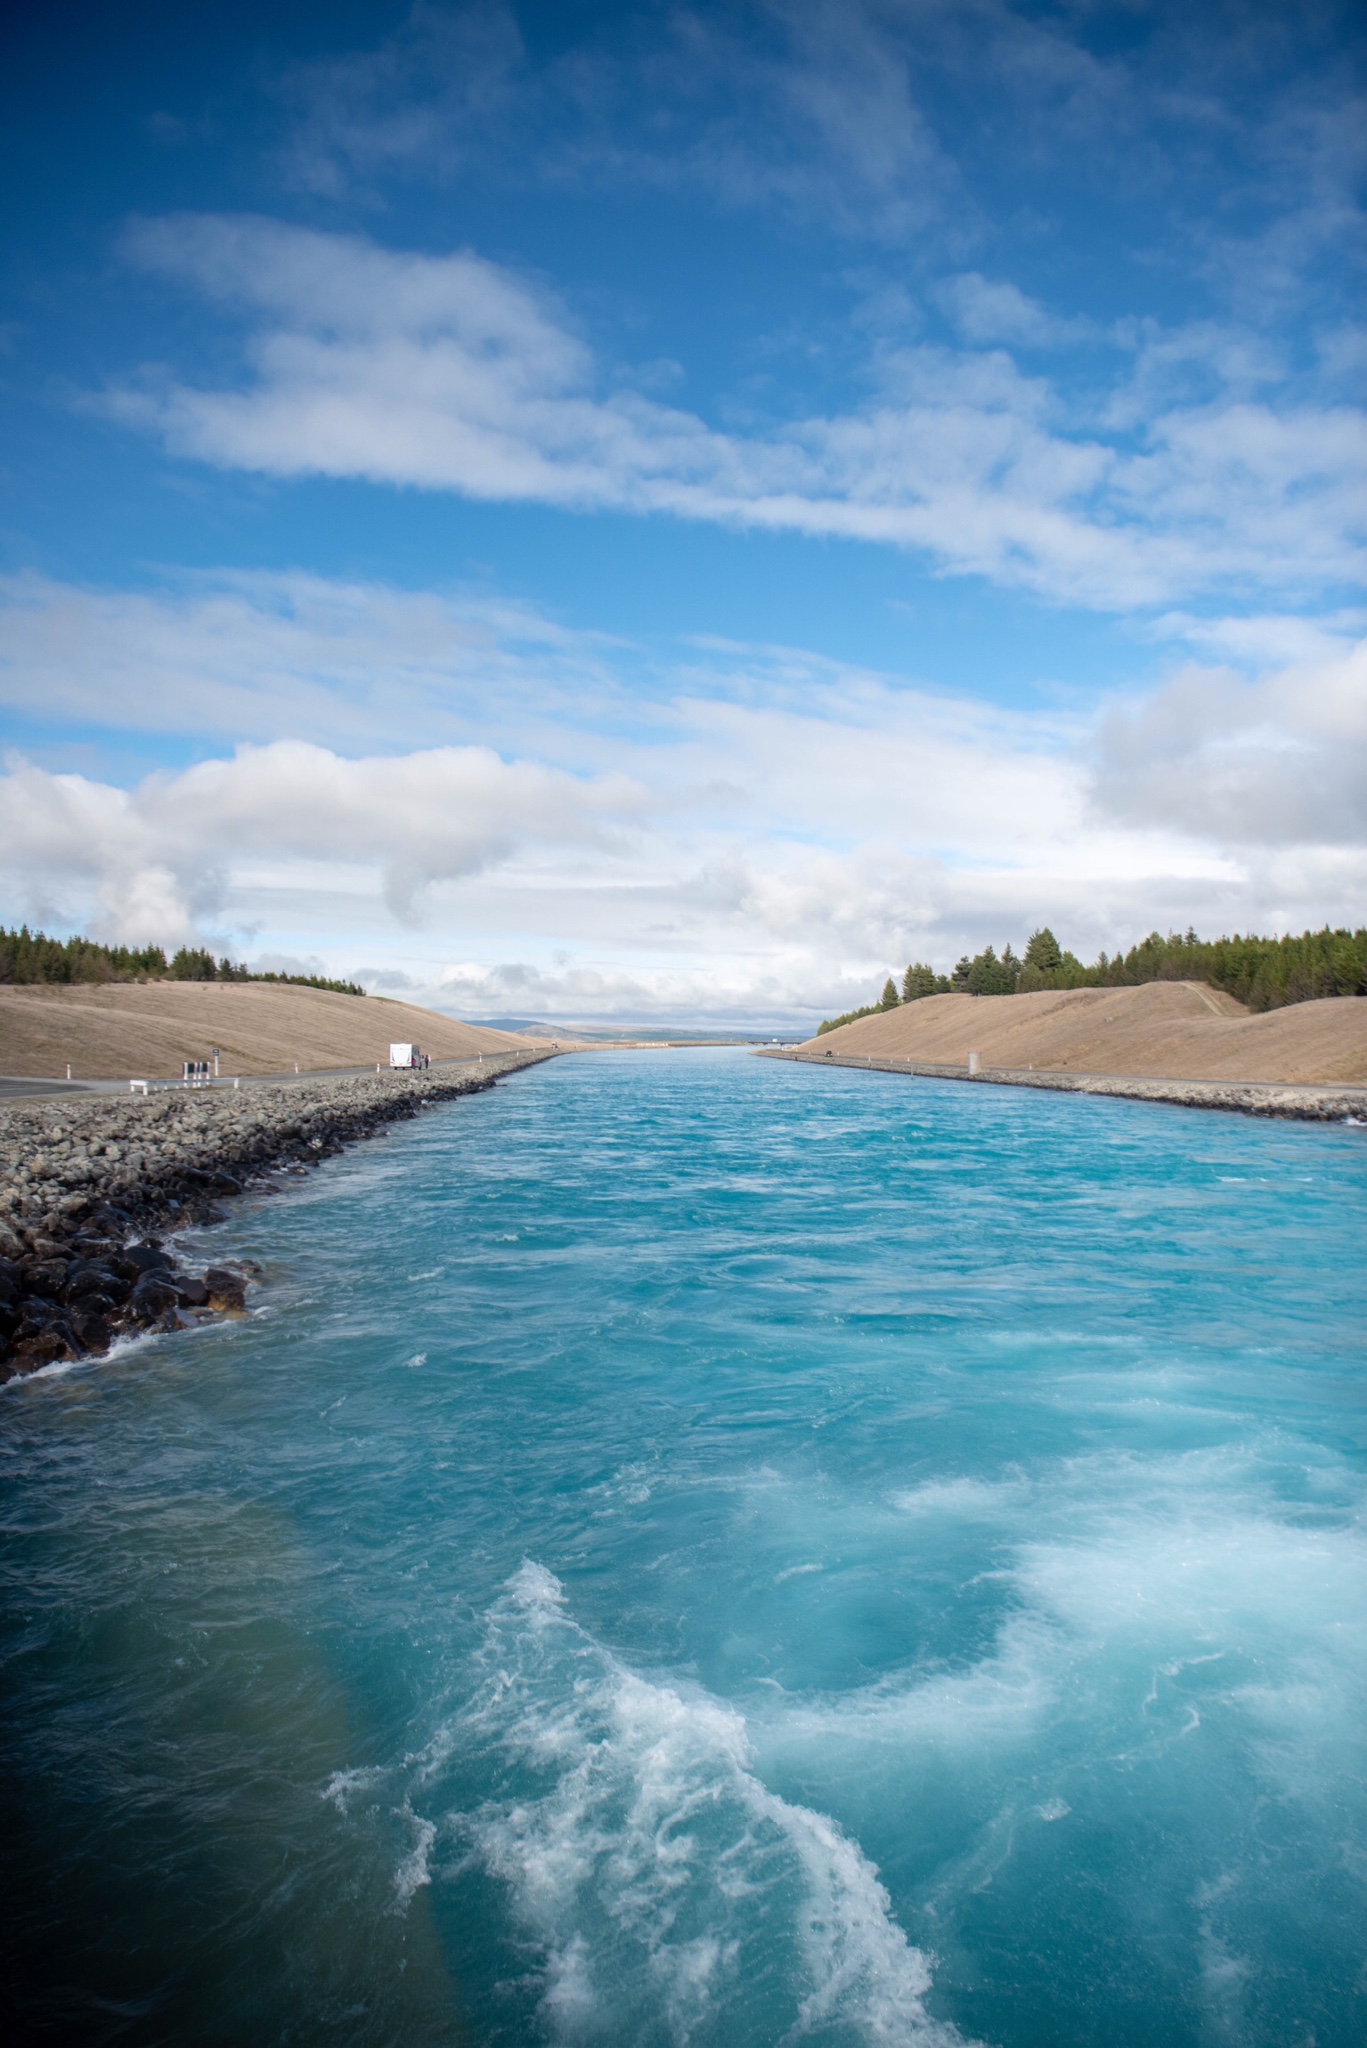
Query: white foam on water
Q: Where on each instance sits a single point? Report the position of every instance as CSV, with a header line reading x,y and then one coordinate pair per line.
x,y
58,1370
971,1499
1224,1974
342,1785
62,1368
999,1700
1198,1573
672,1895
415,1870
1155,1609
1149,1605
631,1486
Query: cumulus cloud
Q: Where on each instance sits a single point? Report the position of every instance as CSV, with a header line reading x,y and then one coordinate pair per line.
x,y
157,856
79,847
1280,761
451,373
763,835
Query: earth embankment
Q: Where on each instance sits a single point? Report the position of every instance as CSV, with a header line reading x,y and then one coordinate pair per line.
x,y
1163,1031
115,1031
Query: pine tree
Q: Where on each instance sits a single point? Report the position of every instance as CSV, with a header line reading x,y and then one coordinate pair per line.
x,y
920,980
1042,951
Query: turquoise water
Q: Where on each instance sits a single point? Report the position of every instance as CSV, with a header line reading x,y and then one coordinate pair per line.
x,y
695,1550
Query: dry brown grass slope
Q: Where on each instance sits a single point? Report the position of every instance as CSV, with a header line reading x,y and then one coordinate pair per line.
x,y
114,1031
1167,1030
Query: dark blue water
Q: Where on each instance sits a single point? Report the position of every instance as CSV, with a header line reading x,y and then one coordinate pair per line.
x,y
697,1550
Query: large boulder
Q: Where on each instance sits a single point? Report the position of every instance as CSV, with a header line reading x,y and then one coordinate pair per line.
x,y
45,1276
43,1245
137,1259
227,1291
91,1331
52,1345
213,1182
92,1276
152,1301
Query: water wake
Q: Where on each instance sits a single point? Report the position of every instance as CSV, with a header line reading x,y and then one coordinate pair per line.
x,y
671,1895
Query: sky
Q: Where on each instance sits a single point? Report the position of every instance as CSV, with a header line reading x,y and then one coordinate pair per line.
x,y
666,514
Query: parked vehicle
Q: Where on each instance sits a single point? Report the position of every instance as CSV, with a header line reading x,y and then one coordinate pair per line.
x,y
408,1056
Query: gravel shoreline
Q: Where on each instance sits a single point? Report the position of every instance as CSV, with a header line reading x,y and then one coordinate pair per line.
x,y
1341,1102
89,1185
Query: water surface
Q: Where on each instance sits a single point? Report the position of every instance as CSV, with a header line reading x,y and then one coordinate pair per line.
x,y
698,1551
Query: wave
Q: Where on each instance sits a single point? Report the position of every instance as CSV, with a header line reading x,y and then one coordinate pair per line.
x,y
671,1895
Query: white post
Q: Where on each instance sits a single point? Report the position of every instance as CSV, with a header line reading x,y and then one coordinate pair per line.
x,y
68,1070
974,1063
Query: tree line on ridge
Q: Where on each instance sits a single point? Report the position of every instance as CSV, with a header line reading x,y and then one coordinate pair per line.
x,y
32,957
1264,974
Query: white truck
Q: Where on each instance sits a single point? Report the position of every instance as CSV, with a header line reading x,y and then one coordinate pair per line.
x,y
405,1056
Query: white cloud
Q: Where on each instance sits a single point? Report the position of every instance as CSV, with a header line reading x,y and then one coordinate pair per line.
x,y
85,849
441,80
812,110
263,656
1261,641
1282,761
449,373
766,834
987,310
884,120
159,857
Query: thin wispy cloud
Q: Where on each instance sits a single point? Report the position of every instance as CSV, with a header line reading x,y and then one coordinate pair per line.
x,y
451,373
265,655
858,113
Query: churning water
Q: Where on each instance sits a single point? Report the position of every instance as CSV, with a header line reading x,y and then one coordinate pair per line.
x,y
695,1550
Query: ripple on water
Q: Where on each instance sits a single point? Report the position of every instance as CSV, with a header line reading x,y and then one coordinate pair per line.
x,y
704,1552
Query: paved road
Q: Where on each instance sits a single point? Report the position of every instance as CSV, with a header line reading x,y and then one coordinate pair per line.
x,y
12,1085
24,1084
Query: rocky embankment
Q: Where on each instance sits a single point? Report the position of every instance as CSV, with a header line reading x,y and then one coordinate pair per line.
x,y
92,1186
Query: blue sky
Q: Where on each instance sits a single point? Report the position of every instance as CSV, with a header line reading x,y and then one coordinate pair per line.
x,y
653,512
